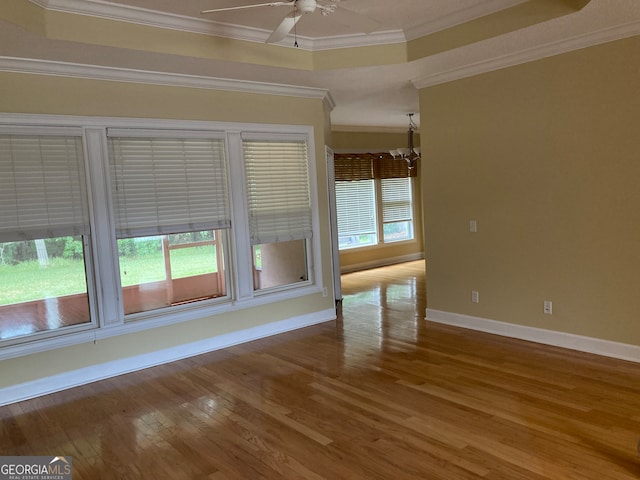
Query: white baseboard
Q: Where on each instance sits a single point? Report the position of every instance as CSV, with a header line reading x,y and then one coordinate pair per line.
x,y
382,262
570,341
82,376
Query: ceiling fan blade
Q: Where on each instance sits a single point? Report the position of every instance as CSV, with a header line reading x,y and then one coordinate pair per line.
x,y
270,4
284,28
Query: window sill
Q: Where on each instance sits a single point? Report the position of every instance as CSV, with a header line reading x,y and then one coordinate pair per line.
x,y
151,321
378,246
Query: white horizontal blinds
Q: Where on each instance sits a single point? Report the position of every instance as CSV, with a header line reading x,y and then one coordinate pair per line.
x,y
278,194
396,199
356,207
42,187
168,185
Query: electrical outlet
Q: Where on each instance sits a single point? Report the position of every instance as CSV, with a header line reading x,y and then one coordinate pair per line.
x,y
475,296
548,307
473,226
325,292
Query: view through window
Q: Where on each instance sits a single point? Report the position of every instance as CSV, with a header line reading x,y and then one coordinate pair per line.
x,y
279,207
163,186
44,228
164,270
374,200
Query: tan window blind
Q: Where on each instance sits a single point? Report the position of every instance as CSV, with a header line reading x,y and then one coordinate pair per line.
x,y
167,185
278,194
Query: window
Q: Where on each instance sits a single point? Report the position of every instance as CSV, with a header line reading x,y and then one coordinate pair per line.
x,y
397,211
356,205
374,200
279,208
44,233
121,225
172,212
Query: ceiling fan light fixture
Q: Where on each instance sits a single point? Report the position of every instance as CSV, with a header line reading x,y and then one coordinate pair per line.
x,y
306,6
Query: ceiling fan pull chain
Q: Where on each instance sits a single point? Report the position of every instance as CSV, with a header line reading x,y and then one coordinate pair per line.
x,y
295,28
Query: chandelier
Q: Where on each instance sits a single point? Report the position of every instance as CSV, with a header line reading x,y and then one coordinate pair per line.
x,y
410,153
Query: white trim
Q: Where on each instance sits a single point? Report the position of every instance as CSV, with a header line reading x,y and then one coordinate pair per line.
x,y
98,72
241,264
328,101
315,262
551,49
41,131
160,133
570,341
34,119
82,376
203,26
333,224
381,263
154,18
105,268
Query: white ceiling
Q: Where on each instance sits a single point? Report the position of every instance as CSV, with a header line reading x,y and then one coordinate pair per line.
x,y
381,96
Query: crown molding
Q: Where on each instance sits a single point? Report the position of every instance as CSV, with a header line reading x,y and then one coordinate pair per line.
x,y
154,18
98,72
460,17
119,12
551,49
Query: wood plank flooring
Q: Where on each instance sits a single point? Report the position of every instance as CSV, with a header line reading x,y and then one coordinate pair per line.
x,y
34,316
378,394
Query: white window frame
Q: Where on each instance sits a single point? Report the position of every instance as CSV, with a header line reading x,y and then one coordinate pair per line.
x,y
312,244
382,223
378,208
374,220
165,133
240,218
88,239
103,278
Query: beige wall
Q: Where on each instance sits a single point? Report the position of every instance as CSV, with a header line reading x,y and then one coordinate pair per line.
x,y
283,263
41,94
498,23
357,140
545,156
70,96
367,257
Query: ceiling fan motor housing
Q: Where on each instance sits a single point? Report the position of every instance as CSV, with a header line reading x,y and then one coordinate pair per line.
x,y
306,6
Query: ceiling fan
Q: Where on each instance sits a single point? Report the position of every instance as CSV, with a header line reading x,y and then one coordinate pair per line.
x,y
298,9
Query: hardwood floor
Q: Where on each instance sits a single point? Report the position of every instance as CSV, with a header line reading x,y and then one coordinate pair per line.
x,y
40,315
379,394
